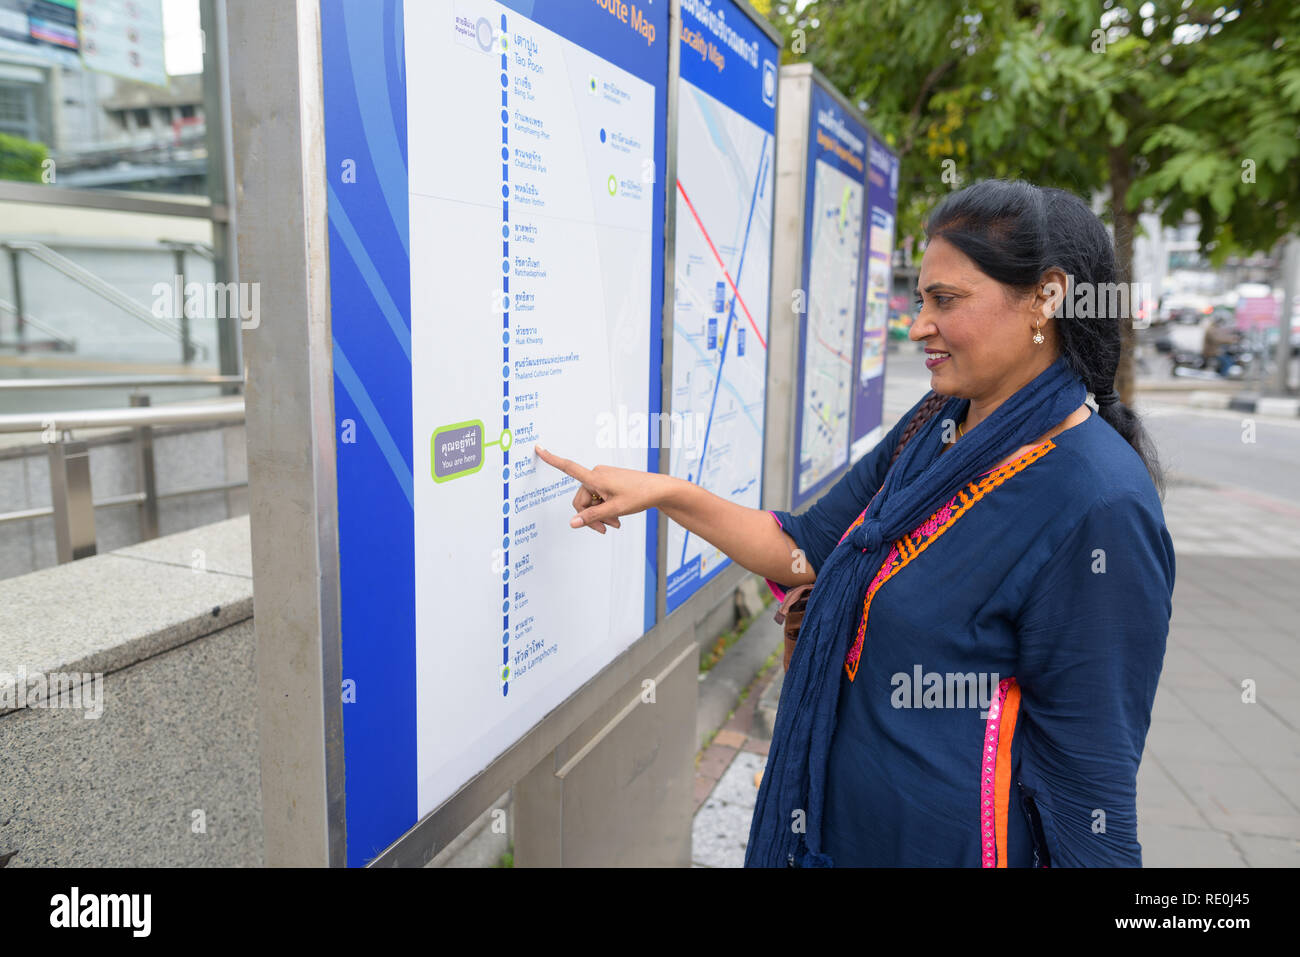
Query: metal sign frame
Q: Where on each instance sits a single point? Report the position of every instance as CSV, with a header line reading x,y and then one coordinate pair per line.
x,y
864,304
278,123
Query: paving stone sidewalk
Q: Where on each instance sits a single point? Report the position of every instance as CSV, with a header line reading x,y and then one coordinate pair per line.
x,y
725,782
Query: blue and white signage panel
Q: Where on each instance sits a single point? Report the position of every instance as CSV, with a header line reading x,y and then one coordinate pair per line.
x,y
726,126
496,274
832,270
873,298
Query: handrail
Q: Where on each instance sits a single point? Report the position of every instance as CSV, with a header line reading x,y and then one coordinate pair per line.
x,y
30,320
116,200
225,410
202,250
130,498
114,244
101,287
114,382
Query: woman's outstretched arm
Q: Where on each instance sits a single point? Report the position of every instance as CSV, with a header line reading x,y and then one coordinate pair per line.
x,y
748,536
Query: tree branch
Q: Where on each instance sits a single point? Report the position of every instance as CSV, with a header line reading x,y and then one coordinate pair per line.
x,y
914,116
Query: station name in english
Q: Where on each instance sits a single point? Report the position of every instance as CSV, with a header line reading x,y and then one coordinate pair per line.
x,y
629,14
707,51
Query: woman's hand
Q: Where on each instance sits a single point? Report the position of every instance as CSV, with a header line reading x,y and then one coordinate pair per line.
x,y
749,536
607,492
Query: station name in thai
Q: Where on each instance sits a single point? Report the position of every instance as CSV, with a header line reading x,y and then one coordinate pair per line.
x,y
879,156
629,13
715,21
832,145
835,124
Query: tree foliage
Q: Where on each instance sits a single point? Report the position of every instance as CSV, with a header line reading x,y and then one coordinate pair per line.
x,y
21,159
1177,105
1166,106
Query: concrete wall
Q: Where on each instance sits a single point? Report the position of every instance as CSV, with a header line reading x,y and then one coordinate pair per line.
x,y
168,773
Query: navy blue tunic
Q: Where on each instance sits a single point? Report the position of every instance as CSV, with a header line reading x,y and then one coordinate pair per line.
x,y
1008,663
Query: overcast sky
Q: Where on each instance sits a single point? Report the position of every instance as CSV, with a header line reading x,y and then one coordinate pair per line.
x,y
182,39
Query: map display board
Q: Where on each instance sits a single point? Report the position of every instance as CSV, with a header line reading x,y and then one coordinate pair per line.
x,y
832,272
726,107
869,389
496,279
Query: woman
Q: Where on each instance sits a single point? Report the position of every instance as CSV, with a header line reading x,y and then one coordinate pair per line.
x,y
976,666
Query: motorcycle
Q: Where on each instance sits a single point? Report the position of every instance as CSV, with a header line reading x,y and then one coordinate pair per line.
x,y
1194,365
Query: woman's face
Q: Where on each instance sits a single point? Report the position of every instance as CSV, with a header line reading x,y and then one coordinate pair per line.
x,y
986,329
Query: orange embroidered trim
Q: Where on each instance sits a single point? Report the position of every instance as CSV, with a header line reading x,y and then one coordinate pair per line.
x,y
905,549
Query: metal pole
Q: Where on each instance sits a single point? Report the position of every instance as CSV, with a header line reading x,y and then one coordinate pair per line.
x,y
780,451
221,173
148,477
15,271
74,509
276,101
1290,289
187,348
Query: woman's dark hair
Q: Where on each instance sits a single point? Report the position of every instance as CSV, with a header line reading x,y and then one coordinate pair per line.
x,y
1015,232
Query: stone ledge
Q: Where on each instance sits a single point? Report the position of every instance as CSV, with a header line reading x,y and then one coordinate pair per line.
x,y
108,612
224,546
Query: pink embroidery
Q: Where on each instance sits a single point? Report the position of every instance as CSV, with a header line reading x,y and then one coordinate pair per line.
x,y
928,528
988,841
855,653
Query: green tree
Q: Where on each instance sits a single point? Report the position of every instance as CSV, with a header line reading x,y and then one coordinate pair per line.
x,y
1163,106
21,159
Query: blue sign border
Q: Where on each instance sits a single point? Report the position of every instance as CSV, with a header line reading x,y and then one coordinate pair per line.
x,y
739,85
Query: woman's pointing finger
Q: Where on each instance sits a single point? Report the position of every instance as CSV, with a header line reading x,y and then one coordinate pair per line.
x,y
564,465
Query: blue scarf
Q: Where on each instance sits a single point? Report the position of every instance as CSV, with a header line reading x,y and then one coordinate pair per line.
x,y
786,830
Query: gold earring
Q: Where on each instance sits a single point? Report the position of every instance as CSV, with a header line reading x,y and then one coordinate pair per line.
x,y
1038,333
